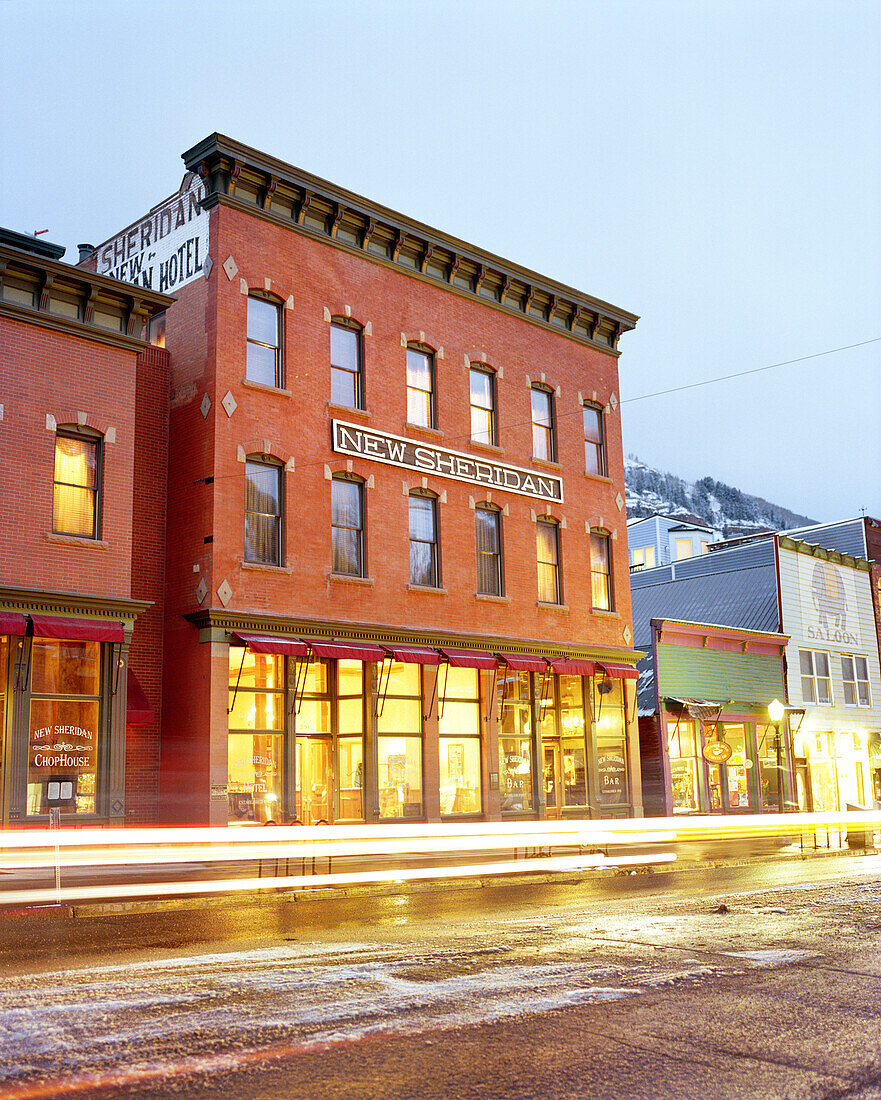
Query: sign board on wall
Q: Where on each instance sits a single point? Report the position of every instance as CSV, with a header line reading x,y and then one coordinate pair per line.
x,y
167,248
830,599
394,450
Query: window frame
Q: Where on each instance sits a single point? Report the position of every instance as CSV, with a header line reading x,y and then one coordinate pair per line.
x,y
429,355
492,410
344,324
497,555
814,678
598,444
433,544
550,524
598,535
855,681
268,300
361,543
267,464
96,441
549,429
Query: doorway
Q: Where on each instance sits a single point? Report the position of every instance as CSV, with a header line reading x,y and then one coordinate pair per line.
x,y
315,780
551,774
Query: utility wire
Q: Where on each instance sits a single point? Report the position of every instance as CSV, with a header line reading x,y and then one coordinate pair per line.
x,y
743,373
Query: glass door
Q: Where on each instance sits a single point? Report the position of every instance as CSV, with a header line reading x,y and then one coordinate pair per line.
x,y
551,771
315,780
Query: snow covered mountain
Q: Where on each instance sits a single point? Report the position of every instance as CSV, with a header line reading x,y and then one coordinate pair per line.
x,y
649,491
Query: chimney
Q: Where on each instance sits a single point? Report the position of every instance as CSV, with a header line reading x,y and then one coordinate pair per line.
x,y
86,251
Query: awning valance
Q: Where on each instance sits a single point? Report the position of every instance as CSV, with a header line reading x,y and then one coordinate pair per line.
x,y
77,630
572,667
347,651
11,622
138,710
623,672
268,643
524,662
412,655
469,658
704,710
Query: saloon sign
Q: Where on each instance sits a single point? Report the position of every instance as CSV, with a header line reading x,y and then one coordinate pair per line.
x,y
351,439
167,248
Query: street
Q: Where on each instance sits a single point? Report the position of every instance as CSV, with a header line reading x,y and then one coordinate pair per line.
x,y
760,980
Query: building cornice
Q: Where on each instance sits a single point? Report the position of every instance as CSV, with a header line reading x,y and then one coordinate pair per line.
x,y
835,556
42,600
215,623
245,179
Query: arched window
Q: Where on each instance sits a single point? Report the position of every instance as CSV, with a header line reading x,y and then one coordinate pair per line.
x,y
544,435
550,585
601,571
594,440
347,525
264,512
76,505
264,361
346,359
488,526
424,556
421,403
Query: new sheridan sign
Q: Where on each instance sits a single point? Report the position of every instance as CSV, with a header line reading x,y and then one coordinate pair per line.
x,y
352,439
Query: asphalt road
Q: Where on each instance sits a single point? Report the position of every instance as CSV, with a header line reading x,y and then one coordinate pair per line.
x,y
753,981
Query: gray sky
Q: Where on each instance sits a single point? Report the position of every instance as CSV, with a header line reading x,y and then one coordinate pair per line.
x,y
713,166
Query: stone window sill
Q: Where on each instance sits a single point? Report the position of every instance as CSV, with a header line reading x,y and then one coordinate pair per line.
x,y
552,606
347,410
264,567
545,465
604,478
601,611
426,589
491,448
436,433
77,540
349,578
486,596
263,388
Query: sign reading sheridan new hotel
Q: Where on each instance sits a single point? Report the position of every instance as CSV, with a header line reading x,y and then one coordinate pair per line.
x,y
394,450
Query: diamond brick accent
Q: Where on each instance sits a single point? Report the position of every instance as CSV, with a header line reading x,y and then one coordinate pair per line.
x,y
209,263
627,635
613,401
229,403
229,266
205,406
619,500
224,593
201,590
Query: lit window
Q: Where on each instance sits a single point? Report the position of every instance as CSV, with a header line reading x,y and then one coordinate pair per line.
x,y
550,590
76,504
263,513
683,549
543,434
420,388
424,568
459,743
594,440
855,676
264,343
255,758
488,524
816,684
347,526
644,558
600,571
345,366
483,406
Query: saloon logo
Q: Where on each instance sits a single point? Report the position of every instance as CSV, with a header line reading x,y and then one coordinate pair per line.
x,y
830,601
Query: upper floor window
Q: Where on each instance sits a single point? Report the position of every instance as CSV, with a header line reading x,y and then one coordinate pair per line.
x,y
347,526
264,342
76,506
346,381
855,676
816,683
550,588
263,513
600,571
644,557
420,388
544,444
488,522
424,563
594,440
684,549
483,406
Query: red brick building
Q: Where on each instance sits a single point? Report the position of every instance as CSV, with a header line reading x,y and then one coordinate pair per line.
x,y
397,578
83,427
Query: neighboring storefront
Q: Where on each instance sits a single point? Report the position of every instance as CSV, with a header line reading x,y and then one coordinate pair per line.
x,y
705,693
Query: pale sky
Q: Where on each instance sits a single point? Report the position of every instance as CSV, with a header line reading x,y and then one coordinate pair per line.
x,y
714,167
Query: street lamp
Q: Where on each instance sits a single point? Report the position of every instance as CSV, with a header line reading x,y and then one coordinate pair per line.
x,y
775,713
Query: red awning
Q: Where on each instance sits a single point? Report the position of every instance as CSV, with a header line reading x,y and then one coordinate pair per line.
x,y
77,630
348,651
521,663
414,656
572,668
469,658
12,623
138,710
623,672
272,643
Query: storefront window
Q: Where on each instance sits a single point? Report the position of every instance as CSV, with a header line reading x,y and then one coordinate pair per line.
x,y
564,748
683,767
730,783
459,728
400,744
64,726
515,742
255,780
613,788
769,773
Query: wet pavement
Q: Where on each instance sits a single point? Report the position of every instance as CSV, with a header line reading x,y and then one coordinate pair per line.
x,y
762,980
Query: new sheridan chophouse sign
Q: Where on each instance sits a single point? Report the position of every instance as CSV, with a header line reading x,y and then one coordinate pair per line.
x,y
351,439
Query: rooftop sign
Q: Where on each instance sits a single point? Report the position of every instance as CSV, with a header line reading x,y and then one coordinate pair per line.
x,y
394,450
